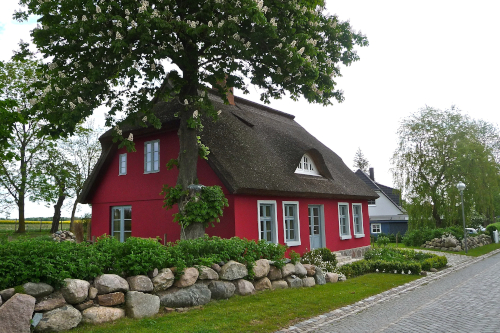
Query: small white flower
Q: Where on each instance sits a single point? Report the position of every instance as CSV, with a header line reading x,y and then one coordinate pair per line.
x,y
118,35
97,9
80,100
85,80
127,12
301,50
84,18
219,112
145,118
90,65
133,24
72,105
221,23
195,114
210,24
130,137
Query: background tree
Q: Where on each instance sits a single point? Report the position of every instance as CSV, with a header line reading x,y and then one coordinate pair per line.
x,y
25,146
360,161
117,53
8,117
436,150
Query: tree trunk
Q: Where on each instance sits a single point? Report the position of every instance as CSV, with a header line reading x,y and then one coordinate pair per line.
x,y
57,213
435,215
20,206
71,224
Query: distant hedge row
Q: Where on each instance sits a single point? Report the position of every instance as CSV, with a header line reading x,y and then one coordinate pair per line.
x,y
42,260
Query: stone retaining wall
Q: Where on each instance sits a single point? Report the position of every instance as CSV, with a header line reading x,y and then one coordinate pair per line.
x,y
109,297
451,243
358,252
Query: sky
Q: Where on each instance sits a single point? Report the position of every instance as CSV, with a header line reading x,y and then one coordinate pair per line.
x,y
422,53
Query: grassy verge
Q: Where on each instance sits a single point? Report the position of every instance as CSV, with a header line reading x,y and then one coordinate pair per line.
x,y
264,312
476,252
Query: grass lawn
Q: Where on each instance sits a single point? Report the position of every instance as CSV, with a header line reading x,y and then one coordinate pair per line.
x,y
264,312
476,252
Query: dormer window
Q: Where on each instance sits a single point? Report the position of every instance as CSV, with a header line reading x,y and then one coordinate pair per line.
x,y
306,166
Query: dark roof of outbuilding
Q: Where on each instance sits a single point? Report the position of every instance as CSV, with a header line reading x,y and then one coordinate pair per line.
x,y
392,194
255,150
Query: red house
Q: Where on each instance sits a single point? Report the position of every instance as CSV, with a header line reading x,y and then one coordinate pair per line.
x,y
282,184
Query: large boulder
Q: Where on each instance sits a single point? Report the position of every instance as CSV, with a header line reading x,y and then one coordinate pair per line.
x,y
109,283
274,273
111,299
208,273
60,319
75,291
279,284
197,294
261,268
163,281
308,282
311,269
319,277
16,314
262,284
450,242
288,270
233,271
221,289
140,283
101,314
331,277
293,281
7,293
37,289
300,270
92,293
50,302
244,287
188,278
140,305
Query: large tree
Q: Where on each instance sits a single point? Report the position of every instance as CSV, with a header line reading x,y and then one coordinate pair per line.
x,y
360,161
118,52
436,150
25,145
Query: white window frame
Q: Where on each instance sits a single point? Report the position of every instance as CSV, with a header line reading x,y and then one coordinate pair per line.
x,y
307,167
122,164
348,222
379,225
372,204
122,230
274,222
151,162
296,224
360,220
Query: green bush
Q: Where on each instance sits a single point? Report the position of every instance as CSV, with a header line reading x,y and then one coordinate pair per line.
x,y
361,267
420,236
39,260
492,227
382,241
294,257
322,258
434,262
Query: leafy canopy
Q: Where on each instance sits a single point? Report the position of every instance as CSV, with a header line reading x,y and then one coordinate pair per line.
x,y
118,52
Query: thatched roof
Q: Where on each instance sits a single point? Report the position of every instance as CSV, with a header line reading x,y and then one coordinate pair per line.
x,y
255,150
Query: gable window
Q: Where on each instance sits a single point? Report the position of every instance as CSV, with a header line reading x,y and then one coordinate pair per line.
x,y
357,220
152,156
376,228
121,222
122,167
306,166
267,221
345,230
371,202
291,223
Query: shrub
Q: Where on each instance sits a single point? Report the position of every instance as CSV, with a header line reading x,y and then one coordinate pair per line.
x,y
382,241
420,236
361,267
322,258
492,227
294,257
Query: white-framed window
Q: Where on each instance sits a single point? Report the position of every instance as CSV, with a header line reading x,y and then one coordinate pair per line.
x,y
122,167
121,222
344,225
357,220
267,220
152,156
371,202
291,223
376,228
306,166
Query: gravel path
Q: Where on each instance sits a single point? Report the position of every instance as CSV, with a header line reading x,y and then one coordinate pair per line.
x,y
412,308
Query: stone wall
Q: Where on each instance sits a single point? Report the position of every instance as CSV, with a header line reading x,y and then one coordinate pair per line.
x,y
109,297
451,243
358,252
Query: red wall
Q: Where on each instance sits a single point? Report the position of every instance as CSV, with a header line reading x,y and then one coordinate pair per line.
x,y
246,211
141,191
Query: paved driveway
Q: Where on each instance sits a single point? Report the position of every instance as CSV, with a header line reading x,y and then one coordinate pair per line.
x,y
463,298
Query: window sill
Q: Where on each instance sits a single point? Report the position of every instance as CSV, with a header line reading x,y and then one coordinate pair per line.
x,y
293,243
342,237
148,172
359,235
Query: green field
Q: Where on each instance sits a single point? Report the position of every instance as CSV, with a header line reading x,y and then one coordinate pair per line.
x,y
7,226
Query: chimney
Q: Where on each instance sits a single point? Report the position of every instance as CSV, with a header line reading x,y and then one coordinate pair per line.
x,y
372,174
229,94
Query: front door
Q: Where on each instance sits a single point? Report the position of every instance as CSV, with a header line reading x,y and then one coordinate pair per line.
x,y
315,227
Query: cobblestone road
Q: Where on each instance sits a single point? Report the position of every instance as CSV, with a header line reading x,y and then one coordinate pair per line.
x,y
463,298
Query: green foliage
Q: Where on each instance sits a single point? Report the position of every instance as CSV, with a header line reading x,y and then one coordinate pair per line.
x,y
294,257
360,161
492,227
434,262
420,236
322,258
204,207
43,260
382,241
436,150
